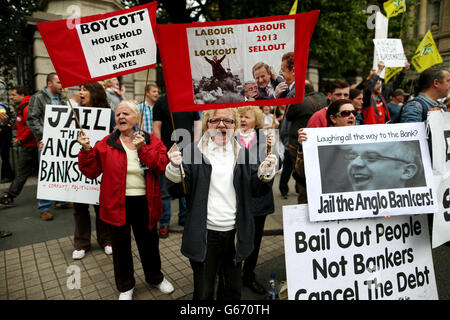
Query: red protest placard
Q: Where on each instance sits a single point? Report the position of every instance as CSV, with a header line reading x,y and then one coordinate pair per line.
x,y
233,63
101,46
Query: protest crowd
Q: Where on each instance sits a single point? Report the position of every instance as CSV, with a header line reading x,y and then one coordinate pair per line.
x,y
223,176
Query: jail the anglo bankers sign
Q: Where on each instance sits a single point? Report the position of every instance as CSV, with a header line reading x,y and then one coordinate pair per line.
x,y
368,171
59,176
360,259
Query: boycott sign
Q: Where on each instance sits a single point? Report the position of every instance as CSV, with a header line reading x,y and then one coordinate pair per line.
x,y
101,46
362,259
390,51
368,171
440,131
237,62
59,176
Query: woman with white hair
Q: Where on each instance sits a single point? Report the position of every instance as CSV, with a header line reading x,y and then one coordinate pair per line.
x,y
130,196
220,181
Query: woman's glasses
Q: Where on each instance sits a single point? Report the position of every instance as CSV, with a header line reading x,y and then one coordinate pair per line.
x,y
347,113
216,121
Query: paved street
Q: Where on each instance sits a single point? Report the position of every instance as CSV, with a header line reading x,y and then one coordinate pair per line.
x,y
34,261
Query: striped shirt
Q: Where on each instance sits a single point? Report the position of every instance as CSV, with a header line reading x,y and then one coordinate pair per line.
x,y
147,117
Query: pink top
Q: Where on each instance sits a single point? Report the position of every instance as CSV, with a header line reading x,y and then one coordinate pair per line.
x,y
246,140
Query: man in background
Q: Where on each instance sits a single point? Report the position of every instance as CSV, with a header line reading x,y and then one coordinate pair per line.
x,y
51,94
26,143
146,109
162,129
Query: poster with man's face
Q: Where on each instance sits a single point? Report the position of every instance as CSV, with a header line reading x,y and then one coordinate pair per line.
x,y
241,62
367,164
368,171
223,64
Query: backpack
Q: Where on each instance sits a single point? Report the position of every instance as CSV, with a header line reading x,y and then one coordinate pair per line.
x,y
424,110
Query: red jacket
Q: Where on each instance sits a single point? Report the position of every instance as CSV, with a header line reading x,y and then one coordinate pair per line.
x,y
109,157
374,114
24,133
318,119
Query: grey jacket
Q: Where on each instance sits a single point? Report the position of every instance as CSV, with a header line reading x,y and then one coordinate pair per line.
x,y
36,112
299,114
262,205
197,171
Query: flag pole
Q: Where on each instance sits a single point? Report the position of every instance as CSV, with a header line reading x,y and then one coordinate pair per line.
x,y
269,147
141,120
176,140
73,111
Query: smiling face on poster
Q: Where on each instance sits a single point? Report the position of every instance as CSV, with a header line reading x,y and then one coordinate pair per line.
x,y
368,171
224,58
366,165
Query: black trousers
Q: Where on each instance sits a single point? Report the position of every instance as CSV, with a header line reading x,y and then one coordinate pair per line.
x,y
288,166
5,146
82,236
147,242
28,159
248,273
300,182
220,254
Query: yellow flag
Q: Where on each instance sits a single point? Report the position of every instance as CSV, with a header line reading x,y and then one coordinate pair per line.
x,y
394,7
427,54
294,8
390,72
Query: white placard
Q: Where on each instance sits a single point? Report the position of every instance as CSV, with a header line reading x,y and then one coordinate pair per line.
x,y
60,178
118,43
390,51
440,131
362,259
368,171
381,32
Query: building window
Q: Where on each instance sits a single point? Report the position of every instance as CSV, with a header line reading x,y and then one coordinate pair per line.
x,y
434,15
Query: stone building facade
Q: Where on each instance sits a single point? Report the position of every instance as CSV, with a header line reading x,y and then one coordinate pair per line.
x,y
433,15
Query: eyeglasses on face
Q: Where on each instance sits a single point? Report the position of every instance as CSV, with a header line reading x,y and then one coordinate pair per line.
x,y
346,113
370,157
216,121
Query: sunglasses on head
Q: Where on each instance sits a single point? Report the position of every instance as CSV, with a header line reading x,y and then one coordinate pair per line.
x,y
346,113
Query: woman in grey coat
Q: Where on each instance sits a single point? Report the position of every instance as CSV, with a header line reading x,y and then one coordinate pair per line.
x,y
220,182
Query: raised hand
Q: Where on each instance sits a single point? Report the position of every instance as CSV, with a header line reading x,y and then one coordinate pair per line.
x,y
174,155
84,141
138,141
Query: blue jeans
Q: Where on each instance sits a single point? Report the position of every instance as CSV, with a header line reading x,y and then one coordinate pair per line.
x,y
45,205
166,199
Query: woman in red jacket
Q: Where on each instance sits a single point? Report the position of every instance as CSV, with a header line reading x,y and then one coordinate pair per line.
x,y
129,195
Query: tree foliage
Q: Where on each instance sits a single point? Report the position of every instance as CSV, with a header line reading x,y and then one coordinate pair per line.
x,y
342,41
12,30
